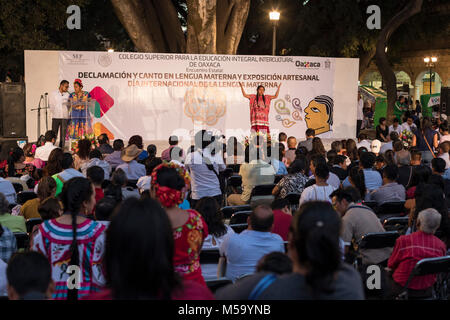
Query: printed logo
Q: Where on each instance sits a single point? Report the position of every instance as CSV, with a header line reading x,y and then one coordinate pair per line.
x,y
307,64
104,60
327,64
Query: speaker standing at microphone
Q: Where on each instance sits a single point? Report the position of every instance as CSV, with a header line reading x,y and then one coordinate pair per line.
x,y
59,109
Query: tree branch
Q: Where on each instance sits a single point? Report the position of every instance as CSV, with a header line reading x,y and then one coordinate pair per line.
x,y
201,33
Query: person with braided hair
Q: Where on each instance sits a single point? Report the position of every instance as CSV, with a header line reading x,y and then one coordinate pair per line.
x,y
74,240
169,185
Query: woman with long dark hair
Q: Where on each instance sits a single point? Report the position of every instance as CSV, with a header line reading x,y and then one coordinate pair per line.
x,y
169,185
259,108
139,254
54,163
16,167
317,147
426,141
80,123
74,240
82,155
357,180
318,269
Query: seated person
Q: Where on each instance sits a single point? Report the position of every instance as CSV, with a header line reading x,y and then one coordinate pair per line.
x,y
372,177
104,210
244,250
29,277
143,183
318,273
410,249
339,167
46,188
390,190
282,218
13,223
357,221
321,190
131,167
96,159
8,244
294,182
119,178
96,175
403,159
114,159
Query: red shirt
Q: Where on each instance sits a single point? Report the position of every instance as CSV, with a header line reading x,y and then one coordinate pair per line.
x,y
190,291
409,250
99,195
188,243
259,112
281,223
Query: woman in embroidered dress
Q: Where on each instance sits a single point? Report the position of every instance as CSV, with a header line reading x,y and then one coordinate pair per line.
x,y
259,108
169,184
74,240
80,123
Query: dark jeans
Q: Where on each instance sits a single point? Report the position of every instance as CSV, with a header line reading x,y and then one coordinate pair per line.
x,y
60,124
218,198
358,127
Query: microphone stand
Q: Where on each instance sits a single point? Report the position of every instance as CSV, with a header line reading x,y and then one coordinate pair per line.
x,y
46,111
39,116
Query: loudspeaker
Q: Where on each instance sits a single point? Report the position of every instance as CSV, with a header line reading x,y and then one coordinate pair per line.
x,y
12,110
9,144
445,100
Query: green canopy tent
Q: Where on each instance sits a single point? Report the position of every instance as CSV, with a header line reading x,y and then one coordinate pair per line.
x,y
377,97
428,101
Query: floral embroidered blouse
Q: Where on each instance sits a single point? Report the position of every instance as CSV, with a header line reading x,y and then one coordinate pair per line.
x,y
188,243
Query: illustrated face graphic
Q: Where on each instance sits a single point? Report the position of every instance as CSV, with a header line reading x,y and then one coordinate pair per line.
x,y
316,117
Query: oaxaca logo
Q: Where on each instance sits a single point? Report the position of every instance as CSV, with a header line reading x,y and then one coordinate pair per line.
x,y
307,64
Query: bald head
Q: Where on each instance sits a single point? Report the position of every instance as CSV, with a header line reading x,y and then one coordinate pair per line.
x,y
292,142
261,219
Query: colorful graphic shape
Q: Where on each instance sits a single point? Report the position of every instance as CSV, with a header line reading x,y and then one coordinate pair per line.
x,y
99,128
104,101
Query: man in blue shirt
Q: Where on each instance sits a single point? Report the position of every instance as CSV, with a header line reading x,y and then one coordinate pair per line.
x,y
244,250
372,177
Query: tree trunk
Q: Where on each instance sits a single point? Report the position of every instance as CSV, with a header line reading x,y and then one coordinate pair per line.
x,y
214,26
413,7
231,18
201,32
364,61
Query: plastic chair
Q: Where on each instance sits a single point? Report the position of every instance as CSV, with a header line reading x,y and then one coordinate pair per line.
x,y
215,284
394,207
228,211
240,217
371,204
209,256
378,240
429,266
399,224
30,223
262,194
22,240
239,227
24,196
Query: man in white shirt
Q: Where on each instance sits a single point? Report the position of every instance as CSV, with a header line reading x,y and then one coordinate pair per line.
x,y
359,114
59,110
409,125
395,127
363,142
44,151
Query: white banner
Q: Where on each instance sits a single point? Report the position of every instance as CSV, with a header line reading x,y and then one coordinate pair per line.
x,y
157,95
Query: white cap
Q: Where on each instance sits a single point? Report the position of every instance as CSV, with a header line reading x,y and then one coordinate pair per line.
x,y
375,146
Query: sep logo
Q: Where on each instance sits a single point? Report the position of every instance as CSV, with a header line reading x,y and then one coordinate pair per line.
x,y
77,56
307,64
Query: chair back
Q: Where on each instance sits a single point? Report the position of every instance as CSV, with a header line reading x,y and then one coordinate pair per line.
x,y
239,227
263,190
371,204
240,217
394,207
215,284
228,211
379,240
30,223
432,266
24,196
209,256
399,224
234,181
22,240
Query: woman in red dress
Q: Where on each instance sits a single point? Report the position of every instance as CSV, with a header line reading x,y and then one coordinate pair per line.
x,y
169,185
259,108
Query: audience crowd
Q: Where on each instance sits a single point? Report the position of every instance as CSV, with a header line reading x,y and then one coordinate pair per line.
x,y
137,226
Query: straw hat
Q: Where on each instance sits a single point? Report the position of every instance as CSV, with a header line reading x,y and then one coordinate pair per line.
x,y
130,153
